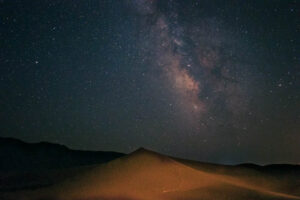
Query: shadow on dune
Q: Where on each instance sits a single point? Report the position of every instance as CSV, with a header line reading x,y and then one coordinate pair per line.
x,y
147,175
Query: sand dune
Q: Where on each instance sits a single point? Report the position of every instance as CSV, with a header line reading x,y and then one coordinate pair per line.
x,y
146,175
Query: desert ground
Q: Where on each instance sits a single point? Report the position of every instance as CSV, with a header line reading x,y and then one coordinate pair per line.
x,y
147,175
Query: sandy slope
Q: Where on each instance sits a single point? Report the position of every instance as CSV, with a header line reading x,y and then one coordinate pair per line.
x,y
146,175
284,179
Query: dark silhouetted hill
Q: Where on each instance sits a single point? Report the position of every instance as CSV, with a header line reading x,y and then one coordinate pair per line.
x,y
19,156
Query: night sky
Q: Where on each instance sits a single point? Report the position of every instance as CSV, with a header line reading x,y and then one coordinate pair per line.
x,y
214,81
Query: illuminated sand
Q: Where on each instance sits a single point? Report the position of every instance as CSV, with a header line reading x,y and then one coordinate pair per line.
x,y
146,175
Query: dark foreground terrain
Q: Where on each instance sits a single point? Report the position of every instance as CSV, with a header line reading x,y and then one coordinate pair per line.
x,y
141,175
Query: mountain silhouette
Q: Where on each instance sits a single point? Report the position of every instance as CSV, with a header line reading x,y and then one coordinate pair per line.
x,y
19,156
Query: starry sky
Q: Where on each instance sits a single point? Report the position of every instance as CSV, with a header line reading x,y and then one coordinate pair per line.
x,y
207,80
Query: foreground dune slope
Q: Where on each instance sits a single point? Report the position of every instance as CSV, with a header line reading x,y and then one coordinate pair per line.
x,y
228,192
147,175
284,179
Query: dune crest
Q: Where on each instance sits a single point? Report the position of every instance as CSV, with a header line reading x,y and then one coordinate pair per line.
x,y
146,175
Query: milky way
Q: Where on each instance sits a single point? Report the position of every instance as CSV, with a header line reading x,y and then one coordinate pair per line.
x,y
197,66
208,80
